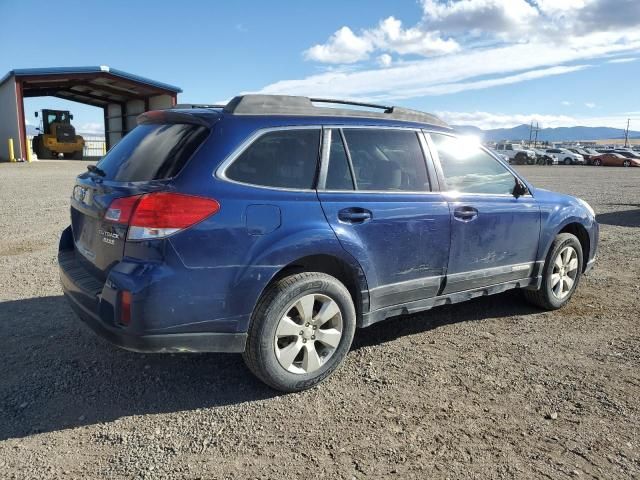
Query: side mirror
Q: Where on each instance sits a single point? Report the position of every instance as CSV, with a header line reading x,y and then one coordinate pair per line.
x,y
70,117
38,129
519,189
36,114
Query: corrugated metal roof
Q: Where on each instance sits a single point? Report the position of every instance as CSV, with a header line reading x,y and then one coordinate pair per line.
x,y
27,72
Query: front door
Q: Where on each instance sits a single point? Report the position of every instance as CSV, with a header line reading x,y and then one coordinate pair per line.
x,y
378,200
494,235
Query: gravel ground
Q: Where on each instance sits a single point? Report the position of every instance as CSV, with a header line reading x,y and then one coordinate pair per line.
x,y
488,389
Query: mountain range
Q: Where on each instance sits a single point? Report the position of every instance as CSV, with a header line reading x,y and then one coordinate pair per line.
x,y
570,134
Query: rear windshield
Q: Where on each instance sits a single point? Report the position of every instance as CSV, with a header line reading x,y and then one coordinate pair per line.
x,y
152,152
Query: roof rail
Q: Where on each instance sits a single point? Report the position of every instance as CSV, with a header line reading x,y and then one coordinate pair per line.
x,y
186,106
350,102
258,104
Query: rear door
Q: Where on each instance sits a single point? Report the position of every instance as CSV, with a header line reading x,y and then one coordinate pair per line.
x,y
494,235
144,161
376,193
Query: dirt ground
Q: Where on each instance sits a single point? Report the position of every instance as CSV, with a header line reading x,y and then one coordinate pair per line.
x,y
489,389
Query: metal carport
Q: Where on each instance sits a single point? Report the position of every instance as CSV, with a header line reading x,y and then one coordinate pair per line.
x,y
122,96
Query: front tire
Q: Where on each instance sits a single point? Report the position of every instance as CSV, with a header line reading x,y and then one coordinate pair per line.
x,y
567,161
626,163
300,331
561,274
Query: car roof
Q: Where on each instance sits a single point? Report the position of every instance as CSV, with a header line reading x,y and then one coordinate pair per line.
x,y
274,110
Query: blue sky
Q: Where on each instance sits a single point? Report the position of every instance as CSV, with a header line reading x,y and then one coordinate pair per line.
x,y
491,63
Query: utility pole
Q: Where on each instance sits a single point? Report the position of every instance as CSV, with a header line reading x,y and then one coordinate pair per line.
x,y
626,134
530,132
535,141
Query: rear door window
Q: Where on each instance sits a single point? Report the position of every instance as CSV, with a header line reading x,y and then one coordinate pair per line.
x,y
152,152
280,159
387,160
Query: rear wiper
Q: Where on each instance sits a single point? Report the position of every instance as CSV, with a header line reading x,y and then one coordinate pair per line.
x,y
96,170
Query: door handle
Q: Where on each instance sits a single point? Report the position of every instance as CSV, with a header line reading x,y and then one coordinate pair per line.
x,y
465,214
354,215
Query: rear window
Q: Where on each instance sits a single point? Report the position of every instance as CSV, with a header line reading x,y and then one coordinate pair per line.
x,y
152,152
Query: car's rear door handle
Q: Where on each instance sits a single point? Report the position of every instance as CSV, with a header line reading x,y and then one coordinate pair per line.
x,y
465,214
354,215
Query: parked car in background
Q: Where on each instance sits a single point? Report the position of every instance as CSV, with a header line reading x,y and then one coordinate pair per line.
x,y
502,156
566,156
275,227
627,153
586,153
544,158
615,160
516,153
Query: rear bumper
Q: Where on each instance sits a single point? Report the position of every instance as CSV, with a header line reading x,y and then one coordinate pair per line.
x,y
167,343
95,303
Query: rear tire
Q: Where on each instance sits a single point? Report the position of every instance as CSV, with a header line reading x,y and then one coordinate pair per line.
x,y
292,345
597,162
77,155
561,274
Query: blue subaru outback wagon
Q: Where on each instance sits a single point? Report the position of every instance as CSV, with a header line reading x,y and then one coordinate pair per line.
x,y
276,225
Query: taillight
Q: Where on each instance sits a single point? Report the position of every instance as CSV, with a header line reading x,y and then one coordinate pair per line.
x,y
121,209
157,215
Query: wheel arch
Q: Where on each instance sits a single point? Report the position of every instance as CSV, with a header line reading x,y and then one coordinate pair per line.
x,y
576,228
349,273
579,231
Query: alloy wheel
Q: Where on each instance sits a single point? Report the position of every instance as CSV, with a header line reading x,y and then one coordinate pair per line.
x,y
564,273
308,334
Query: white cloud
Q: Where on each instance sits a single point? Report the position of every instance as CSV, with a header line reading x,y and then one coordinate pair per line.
x,y
559,7
344,46
590,105
415,78
496,16
392,37
566,103
385,60
623,60
455,87
487,120
460,45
